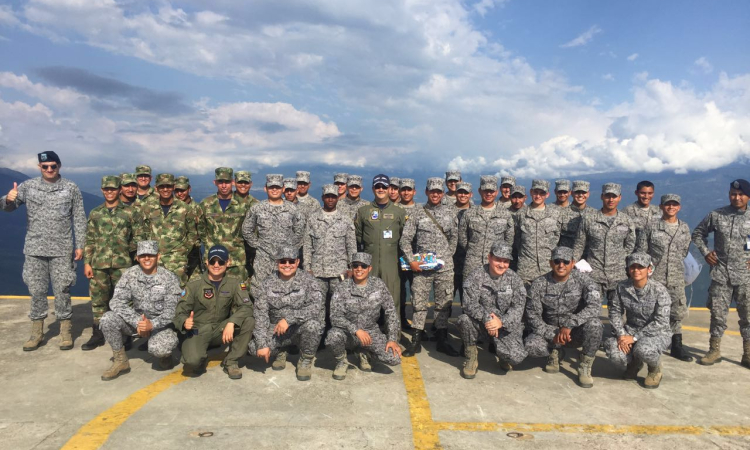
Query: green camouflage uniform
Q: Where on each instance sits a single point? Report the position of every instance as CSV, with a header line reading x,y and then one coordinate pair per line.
x,y
217,227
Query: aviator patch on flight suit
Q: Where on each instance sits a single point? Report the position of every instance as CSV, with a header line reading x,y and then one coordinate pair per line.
x,y
208,293
374,215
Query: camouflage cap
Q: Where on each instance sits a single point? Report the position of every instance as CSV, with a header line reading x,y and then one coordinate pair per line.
x,y
407,183
580,185
642,259
110,181
330,189
142,170
611,188
275,179
182,182
354,180
670,198
562,185
286,252
148,248
223,174
502,250
562,252
243,175
463,186
435,183
340,178
742,185
362,257
508,179
395,181
303,176
164,179
453,175
540,184
488,183
518,189
127,178
290,183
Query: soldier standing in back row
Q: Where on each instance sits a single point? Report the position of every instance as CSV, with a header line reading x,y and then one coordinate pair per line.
x,y
128,189
538,231
182,191
243,181
393,194
572,215
562,194
352,202
307,202
143,178
54,210
406,191
339,180
506,189
642,212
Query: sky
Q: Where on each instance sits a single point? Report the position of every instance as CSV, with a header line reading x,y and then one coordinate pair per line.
x,y
526,87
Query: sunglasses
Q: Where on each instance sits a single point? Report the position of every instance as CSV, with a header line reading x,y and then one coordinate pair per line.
x,y
214,261
380,187
49,166
557,262
287,262
357,265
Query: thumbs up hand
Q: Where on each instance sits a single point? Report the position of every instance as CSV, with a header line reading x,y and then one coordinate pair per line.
x,y
144,327
11,197
188,325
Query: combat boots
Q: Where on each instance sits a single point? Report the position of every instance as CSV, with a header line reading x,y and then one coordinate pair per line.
x,y
166,363
584,371
469,370
553,361
504,365
714,352
415,346
746,353
66,340
280,362
677,351
96,340
120,365
37,333
653,378
304,367
233,371
631,373
339,373
364,362
442,343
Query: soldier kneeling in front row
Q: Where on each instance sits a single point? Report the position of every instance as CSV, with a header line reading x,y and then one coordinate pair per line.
x,y
144,305
355,309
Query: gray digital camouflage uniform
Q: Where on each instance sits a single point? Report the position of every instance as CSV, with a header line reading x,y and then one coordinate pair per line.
x,y
571,218
640,216
505,296
647,312
358,308
137,294
53,212
422,235
350,207
478,229
573,304
308,204
538,234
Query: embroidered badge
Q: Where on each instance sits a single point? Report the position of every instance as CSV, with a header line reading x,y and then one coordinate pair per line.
x,y
208,293
243,286
375,215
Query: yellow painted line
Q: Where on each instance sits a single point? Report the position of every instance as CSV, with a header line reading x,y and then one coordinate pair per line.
x,y
706,330
26,297
423,429
95,433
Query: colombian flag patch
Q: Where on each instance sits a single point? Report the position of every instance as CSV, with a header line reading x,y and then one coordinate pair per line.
x,y
243,286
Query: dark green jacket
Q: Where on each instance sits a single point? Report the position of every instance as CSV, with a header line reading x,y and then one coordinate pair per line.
x,y
372,225
213,306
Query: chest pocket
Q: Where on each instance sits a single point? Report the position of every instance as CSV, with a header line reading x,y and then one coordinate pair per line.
x,y
157,295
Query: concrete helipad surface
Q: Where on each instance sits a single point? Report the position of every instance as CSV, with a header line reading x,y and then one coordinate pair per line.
x,y
55,399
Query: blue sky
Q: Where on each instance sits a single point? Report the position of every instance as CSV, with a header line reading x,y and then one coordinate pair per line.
x,y
533,88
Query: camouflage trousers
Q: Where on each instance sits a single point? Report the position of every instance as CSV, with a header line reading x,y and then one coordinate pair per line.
x,y
328,285
587,336
339,340
509,343
38,271
720,296
195,346
263,266
648,349
678,309
404,277
305,336
422,284
160,343
101,288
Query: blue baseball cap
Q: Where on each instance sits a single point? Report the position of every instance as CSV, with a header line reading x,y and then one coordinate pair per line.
x,y
381,179
218,251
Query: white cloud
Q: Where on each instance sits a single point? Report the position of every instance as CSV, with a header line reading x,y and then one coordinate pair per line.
x,y
608,77
703,65
633,57
583,38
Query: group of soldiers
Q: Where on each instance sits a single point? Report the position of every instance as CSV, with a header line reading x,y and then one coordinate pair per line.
x,y
291,273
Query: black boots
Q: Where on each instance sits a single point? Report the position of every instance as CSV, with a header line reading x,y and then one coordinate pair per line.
x,y
416,344
677,351
442,343
97,339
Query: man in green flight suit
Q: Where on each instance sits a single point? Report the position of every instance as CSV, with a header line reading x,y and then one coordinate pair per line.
x,y
378,228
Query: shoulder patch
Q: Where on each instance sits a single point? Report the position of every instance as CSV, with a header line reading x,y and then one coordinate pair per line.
x,y
374,214
183,293
243,286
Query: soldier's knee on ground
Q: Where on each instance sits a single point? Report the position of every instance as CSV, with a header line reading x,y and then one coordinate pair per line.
x,y
109,322
336,337
536,346
193,351
312,326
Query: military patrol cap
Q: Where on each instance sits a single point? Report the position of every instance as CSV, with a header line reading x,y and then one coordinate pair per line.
x,y
670,198
142,170
218,251
330,189
354,180
463,186
127,178
562,252
148,248
182,182
435,183
642,259
508,179
407,182
453,175
290,183
340,178
286,252
540,184
488,183
395,181
243,175
163,179
110,181
362,257
48,157
223,174
562,185
611,188
381,179
501,250
303,176
580,185
518,189
740,184
275,179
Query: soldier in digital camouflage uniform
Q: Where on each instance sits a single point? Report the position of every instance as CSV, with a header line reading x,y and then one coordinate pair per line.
x,y
562,194
494,301
563,311
54,210
433,228
462,206
507,183
143,304
288,311
352,202
645,334
355,309
604,240
516,208
243,181
667,242
730,267
112,234
393,190
143,178
452,178
128,189
407,189
538,230
572,215
182,190
642,212
269,224
173,224
339,180
307,202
